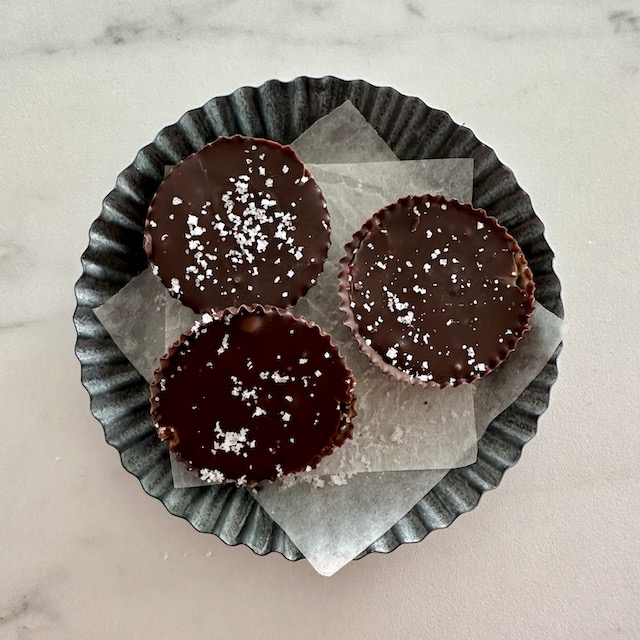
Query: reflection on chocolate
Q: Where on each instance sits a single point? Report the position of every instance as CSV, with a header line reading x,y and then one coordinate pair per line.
x,y
240,221
436,292
252,394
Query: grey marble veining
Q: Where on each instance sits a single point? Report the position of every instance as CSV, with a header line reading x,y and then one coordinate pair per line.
x,y
625,21
330,24
27,616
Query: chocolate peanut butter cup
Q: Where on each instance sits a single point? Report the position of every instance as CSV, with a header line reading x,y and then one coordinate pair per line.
x,y
252,393
436,292
241,221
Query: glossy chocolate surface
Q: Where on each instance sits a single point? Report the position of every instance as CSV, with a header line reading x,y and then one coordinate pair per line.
x,y
434,290
252,395
239,222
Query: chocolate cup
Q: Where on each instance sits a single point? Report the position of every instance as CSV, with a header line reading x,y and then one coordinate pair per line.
x,y
523,280
336,434
222,280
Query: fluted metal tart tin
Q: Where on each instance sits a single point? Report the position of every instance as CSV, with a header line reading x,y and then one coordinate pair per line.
x,y
281,111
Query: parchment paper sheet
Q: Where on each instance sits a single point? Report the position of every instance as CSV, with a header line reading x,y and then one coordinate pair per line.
x,y
329,520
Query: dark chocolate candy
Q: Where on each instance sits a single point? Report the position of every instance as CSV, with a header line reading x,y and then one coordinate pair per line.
x,y
436,292
252,394
240,221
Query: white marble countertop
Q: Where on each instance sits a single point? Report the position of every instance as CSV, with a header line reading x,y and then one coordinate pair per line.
x,y
553,87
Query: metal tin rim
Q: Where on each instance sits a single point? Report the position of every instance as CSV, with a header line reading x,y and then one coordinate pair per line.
x,y
281,111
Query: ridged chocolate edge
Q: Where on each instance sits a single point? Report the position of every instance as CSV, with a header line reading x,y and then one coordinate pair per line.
x,y
314,270
344,289
344,428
